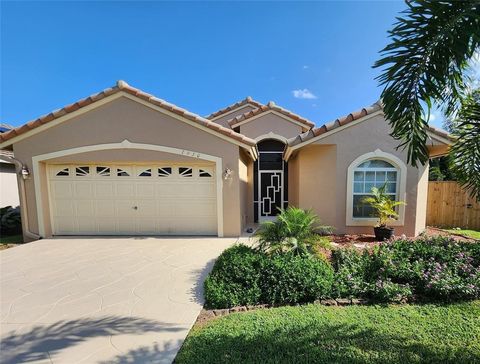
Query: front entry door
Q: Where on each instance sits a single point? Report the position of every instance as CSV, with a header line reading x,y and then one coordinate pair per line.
x,y
270,191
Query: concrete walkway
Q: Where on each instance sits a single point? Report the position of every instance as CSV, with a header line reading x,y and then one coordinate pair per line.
x,y
102,300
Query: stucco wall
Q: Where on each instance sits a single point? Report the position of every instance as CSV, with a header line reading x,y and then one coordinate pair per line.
x,y
127,119
323,175
270,123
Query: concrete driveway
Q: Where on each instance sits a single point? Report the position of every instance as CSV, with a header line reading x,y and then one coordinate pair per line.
x,y
102,300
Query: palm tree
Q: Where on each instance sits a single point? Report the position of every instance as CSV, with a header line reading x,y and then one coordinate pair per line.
x,y
427,63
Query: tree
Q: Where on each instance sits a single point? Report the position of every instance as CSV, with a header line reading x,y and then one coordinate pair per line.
x,y
426,63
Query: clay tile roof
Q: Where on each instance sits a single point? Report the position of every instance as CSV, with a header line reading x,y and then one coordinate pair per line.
x,y
270,106
246,101
348,119
335,124
123,86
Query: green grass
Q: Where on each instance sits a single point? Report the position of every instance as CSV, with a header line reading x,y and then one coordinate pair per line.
x,y
469,233
355,334
12,239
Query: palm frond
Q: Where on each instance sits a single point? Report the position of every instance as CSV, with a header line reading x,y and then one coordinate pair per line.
x,y
431,44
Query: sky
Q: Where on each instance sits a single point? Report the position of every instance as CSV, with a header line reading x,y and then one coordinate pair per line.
x,y
313,58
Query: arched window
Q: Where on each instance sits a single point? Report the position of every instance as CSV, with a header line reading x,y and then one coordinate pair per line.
x,y
370,170
369,174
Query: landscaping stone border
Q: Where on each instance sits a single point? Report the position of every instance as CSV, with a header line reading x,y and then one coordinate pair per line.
x,y
206,315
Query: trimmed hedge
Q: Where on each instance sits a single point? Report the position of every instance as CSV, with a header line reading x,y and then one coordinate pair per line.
x,y
243,276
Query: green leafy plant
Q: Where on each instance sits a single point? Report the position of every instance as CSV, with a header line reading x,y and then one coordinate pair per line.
x,y
10,220
383,205
295,230
429,61
245,276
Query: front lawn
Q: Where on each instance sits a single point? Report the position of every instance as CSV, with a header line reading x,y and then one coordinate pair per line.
x,y
469,233
12,239
353,334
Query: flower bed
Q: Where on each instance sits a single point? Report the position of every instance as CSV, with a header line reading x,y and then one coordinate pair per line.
x,y
425,269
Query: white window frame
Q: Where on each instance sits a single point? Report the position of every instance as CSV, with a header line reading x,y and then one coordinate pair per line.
x,y
401,169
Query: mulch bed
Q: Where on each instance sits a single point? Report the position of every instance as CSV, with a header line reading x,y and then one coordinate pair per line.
x,y
362,241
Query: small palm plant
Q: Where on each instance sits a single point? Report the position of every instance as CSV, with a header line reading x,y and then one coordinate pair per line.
x,y
384,208
295,230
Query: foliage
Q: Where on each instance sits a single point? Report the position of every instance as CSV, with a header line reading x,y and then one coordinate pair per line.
x,y
436,268
245,276
289,279
383,205
235,278
426,62
440,170
295,230
10,220
465,154
356,334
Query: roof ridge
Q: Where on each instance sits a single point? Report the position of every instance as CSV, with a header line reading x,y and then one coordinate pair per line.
x,y
245,101
125,87
268,107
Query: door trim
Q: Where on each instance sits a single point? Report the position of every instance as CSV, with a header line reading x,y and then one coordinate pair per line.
x,y
37,178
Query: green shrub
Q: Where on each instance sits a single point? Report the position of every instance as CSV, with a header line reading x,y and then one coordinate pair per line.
x,y
291,279
235,278
245,276
10,221
437,268
295,230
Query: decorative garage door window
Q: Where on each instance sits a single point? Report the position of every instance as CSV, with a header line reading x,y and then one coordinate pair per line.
x,y
142,199
270,180
369,174
105,171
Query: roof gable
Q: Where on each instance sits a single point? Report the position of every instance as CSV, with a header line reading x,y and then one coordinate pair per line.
x,y
122,87
227,110
270,107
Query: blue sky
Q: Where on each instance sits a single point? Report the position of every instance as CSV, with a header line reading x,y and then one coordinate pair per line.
x,y
312,58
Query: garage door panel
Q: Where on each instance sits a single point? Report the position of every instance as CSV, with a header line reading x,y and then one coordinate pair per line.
x,y
85,208
83,190
133,200
104,208
62,189
104,189
87,225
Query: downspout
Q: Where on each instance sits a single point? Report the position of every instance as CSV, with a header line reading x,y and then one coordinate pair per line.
x,y
23,197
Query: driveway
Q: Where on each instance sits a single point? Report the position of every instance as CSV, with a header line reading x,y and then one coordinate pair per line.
x,y
102,300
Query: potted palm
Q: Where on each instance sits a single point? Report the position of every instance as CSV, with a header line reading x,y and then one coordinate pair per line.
x,y
384,208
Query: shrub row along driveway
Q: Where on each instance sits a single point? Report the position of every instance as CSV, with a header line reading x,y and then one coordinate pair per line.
x,y
97,300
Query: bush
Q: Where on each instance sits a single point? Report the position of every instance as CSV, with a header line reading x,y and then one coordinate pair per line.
x,y
235,278
290,279
10,220
438,268
295,230
245,276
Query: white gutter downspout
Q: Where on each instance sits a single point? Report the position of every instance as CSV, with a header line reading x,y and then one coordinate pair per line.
x,y
23,197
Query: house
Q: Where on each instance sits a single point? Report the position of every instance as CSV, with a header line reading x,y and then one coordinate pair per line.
x,y
125,162
8,178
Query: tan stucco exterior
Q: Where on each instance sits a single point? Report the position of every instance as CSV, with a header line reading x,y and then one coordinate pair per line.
x,y
127,119
270,123
141,134
323,168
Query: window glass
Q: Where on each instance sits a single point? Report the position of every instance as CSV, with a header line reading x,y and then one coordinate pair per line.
x,y
369,174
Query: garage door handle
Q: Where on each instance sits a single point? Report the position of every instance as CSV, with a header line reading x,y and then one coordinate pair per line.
x,y
135,207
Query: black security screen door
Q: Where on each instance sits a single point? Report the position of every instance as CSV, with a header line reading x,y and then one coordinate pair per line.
x,y
270,177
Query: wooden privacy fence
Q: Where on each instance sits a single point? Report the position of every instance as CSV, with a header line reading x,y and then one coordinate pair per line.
x,y
449,205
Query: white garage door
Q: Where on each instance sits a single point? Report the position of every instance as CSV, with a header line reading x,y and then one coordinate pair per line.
x,y
168,199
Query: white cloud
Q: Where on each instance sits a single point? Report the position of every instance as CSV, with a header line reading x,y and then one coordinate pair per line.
x,y
303,94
